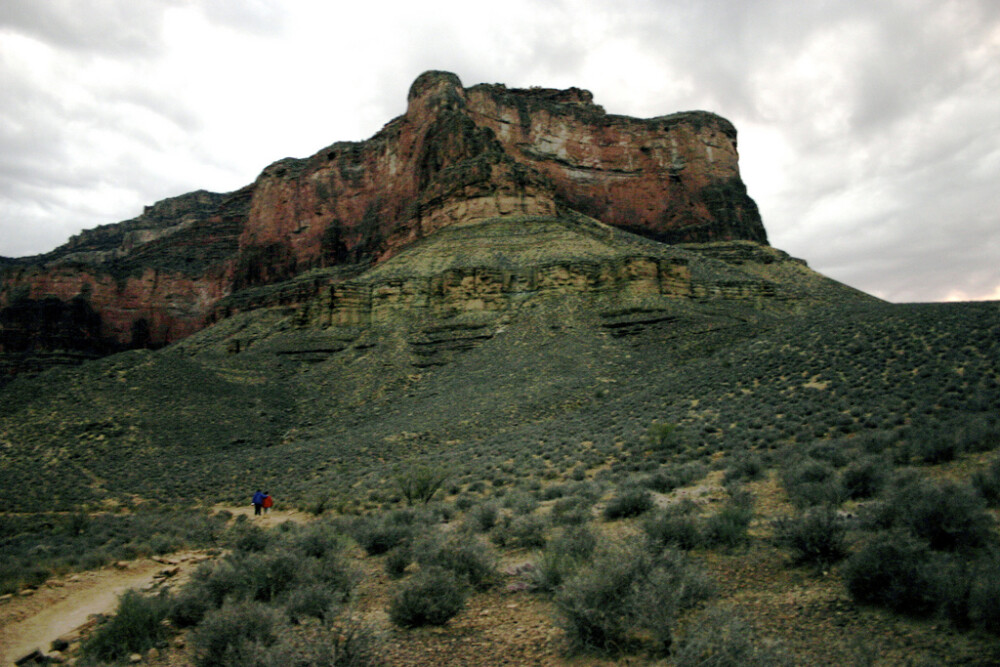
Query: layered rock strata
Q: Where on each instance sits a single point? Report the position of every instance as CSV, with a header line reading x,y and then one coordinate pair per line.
x,y
458,156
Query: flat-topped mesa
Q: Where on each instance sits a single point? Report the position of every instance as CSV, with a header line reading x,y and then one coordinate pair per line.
x,y
457,156
460,155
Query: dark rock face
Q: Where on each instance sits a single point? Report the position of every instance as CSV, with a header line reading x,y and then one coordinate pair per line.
x,y
457,156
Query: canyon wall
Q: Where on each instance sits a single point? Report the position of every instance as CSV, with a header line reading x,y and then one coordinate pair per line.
x,y
457,156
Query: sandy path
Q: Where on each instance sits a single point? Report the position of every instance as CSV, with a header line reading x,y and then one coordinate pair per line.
x,y
62,605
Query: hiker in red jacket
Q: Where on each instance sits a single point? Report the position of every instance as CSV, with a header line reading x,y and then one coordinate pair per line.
x,y
268,501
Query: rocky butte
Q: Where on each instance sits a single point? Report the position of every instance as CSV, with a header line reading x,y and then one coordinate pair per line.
x,y
476,199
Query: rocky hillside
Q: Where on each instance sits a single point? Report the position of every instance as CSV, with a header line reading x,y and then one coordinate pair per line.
x,y
457,156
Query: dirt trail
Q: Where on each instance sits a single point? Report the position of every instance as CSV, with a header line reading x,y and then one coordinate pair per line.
x,y
61,606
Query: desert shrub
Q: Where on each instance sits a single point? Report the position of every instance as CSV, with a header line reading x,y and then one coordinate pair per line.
x,y
720,637
662,481
397,560
318,539
629,501
626,597
675,527
744,466
521,532
269,575
932,447
136,626
811,482
978,434
348,642
430,597
894,570
378,535
464,503
834,452
865,477
248,537
189,606
419,483
984,592
483,517
664,437
574,510
876,442
727,527
817,536
464,555
521,503
236,634
987,483
948,515
313,600
561,558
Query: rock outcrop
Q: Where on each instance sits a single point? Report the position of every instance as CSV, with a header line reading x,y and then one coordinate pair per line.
x,y
458,156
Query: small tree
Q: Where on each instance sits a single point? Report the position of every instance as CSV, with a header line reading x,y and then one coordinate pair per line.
x,y
663,436
419,483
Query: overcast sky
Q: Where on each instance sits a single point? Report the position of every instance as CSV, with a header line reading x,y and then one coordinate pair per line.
x,y
869,131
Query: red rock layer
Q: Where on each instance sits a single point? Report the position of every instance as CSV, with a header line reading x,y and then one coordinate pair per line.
x,y
456,156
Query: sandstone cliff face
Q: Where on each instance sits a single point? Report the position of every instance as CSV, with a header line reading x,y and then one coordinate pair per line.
x,y
463,155
458,156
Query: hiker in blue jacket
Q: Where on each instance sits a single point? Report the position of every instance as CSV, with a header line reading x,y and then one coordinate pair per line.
x,y
258,502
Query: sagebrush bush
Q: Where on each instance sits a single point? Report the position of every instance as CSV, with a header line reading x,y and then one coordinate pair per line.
x,y
136,626
318,539
521,532
463,554
236,634
397,560
561,558
865,477
675,527
727,527
379,535
984,594
248,537
817,536
574,510
947,515
744,466
720,637
893,569
627,597
431,597
629,501
313,600
987,483
811,482
483,517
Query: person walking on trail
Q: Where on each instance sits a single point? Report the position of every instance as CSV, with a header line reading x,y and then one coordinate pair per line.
x,y
258,502
268,502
